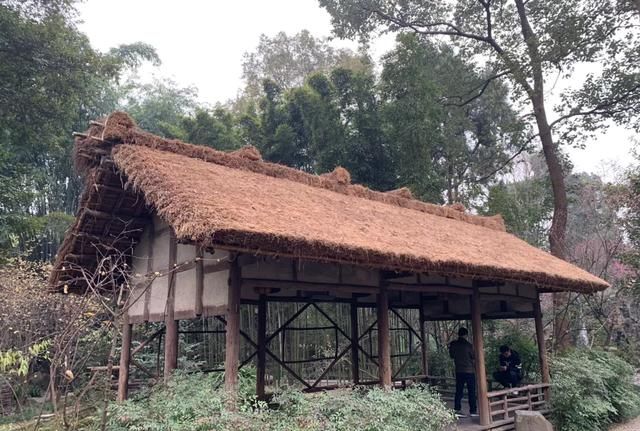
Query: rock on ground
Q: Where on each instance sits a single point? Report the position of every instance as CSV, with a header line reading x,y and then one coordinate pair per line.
x,y
532,421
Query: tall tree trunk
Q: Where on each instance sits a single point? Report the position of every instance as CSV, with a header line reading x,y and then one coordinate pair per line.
x,y
557,233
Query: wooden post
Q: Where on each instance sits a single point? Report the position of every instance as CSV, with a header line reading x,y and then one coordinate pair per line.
x,y
384,343
423,335
199,280
150,233
542,351
478,348
125,358
232,347
262,346
171,325
355,340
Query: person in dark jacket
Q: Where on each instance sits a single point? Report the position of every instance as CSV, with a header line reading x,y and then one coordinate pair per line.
x,y
461,351
509,374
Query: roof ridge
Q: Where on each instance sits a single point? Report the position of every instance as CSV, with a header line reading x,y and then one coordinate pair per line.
x,y
119,128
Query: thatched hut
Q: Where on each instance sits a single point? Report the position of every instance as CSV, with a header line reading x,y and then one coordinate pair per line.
x,y
205,231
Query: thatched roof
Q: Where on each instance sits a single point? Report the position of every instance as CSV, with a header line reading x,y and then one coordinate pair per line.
x,y
239,202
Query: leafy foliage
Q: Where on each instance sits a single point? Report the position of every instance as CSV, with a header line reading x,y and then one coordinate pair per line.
x,y
289,60
193,402
632,219
444,148
591,390
524,200
53,82
399,130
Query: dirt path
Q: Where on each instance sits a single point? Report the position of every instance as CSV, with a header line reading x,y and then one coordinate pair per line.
x,y
633,425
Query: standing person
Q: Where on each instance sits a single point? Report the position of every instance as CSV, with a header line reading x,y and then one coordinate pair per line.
x,y
509,374
461,351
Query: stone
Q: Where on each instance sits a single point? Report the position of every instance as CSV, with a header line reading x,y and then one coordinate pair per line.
x,y
532,421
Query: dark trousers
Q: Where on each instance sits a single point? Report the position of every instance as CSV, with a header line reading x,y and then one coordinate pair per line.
x,y
508,379
468,379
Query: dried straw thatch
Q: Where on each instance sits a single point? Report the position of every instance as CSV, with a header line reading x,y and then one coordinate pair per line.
x,y
230,200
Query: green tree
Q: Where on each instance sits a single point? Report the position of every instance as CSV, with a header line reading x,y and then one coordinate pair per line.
x,y
368,151
217,128
524,200
330,121
289,60
632,220
52,82
445,149
301,127
160,106
525,42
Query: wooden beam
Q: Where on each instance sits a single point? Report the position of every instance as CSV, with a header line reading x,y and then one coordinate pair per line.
x,y
147,341
330,366
431,288
105,215
171,325
103,240
232,339
355,340
125,358
262,347
288,369
478,348
307,285
542,351
423,334
384,342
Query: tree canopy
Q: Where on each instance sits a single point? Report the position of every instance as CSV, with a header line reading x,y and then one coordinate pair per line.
x,y
52,82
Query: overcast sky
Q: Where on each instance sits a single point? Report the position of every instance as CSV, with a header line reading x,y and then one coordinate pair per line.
x,y
201,42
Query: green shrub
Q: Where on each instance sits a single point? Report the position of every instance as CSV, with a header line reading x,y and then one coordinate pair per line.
x,y
440,364
369,409
592,390
195,403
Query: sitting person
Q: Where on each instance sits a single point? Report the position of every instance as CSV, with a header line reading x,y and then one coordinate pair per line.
x,y
510,372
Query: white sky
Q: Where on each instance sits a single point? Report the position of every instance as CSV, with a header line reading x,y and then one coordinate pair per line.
x,y
201,43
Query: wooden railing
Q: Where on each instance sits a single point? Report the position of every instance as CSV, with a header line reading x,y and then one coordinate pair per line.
x,y
446,386
504,403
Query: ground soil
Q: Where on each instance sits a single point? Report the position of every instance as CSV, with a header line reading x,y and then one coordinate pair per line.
x,y
633,425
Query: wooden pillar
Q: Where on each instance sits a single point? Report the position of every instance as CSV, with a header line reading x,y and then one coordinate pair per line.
x,y
355,336
125,358
232,346
478,348
199,280
384,341
262,346
171,325
423,335
542,351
